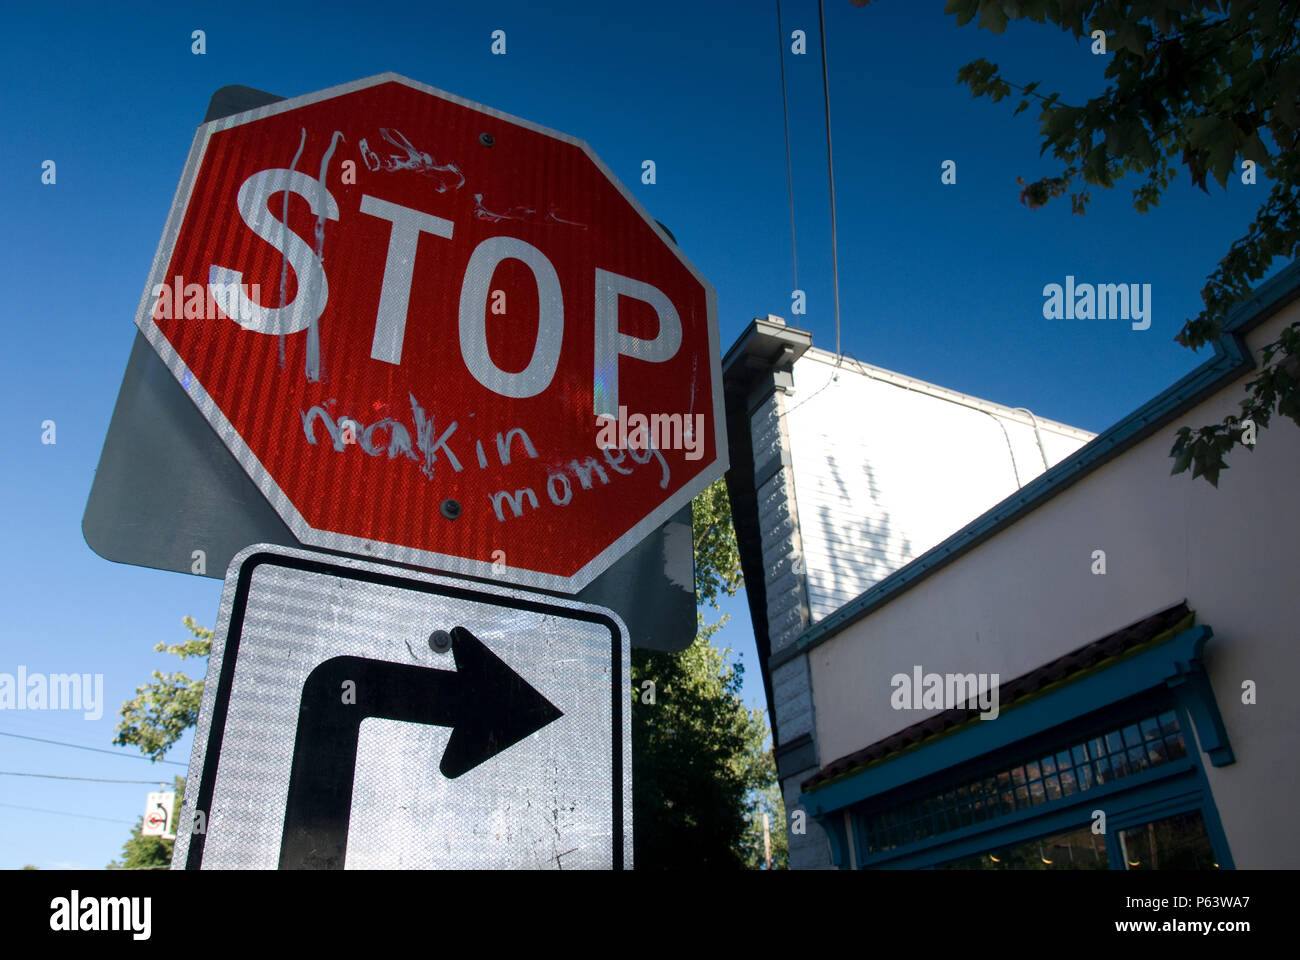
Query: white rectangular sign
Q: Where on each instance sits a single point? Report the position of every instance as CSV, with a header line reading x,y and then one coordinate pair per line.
x,y
158,809
359,715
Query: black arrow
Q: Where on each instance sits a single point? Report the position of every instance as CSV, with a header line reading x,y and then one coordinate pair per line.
x,y
488,706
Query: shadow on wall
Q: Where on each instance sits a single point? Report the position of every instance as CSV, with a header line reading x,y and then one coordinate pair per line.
x,y
857,548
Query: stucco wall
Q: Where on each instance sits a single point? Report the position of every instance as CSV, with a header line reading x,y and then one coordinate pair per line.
x,y
1028,595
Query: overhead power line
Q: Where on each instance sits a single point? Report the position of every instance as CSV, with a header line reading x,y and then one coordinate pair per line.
x,y
66,813
55,776
78,746
830,170
789,170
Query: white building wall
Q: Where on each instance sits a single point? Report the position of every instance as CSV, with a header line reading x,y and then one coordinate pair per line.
x,y
886,466
859,471
1027,595
787,607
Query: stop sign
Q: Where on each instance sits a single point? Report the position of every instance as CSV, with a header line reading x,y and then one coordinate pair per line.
x,y
437,334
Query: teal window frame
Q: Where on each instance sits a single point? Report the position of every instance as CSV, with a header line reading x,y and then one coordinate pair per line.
x,y
1167,676
1173,787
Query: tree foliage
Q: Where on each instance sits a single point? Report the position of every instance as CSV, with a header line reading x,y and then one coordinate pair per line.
x,y
700,758
717,556
161,711
702,772
1199,84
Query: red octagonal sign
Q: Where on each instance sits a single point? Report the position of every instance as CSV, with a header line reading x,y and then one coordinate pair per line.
x,y
437,334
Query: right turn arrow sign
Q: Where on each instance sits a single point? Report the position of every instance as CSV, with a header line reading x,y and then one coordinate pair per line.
x,y
488,706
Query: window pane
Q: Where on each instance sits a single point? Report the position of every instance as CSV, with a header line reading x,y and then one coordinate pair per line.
x,y
1156,752
1032,772
1174,843
1062,760
1150,728
1132,736
1114,742
1053,788
1037,793
1085,776
1137,760
1048,766
1175,745
1118,765
1067,783
1080,754
1018,776
1169,723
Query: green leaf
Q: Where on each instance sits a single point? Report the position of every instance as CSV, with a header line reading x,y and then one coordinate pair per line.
x,y
992,17
963,9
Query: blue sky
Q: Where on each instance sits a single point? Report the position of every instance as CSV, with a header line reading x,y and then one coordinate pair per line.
x,y
938,282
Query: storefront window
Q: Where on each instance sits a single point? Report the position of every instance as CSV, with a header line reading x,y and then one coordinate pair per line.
x,y
1077,850
1077,767
1174,843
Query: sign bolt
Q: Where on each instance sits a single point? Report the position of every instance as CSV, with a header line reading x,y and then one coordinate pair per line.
x,y
450,509
486,139
440,641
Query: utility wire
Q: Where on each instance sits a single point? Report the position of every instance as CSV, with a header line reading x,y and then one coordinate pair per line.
x,y
789,169
78,746
830,171
55,776
65,813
